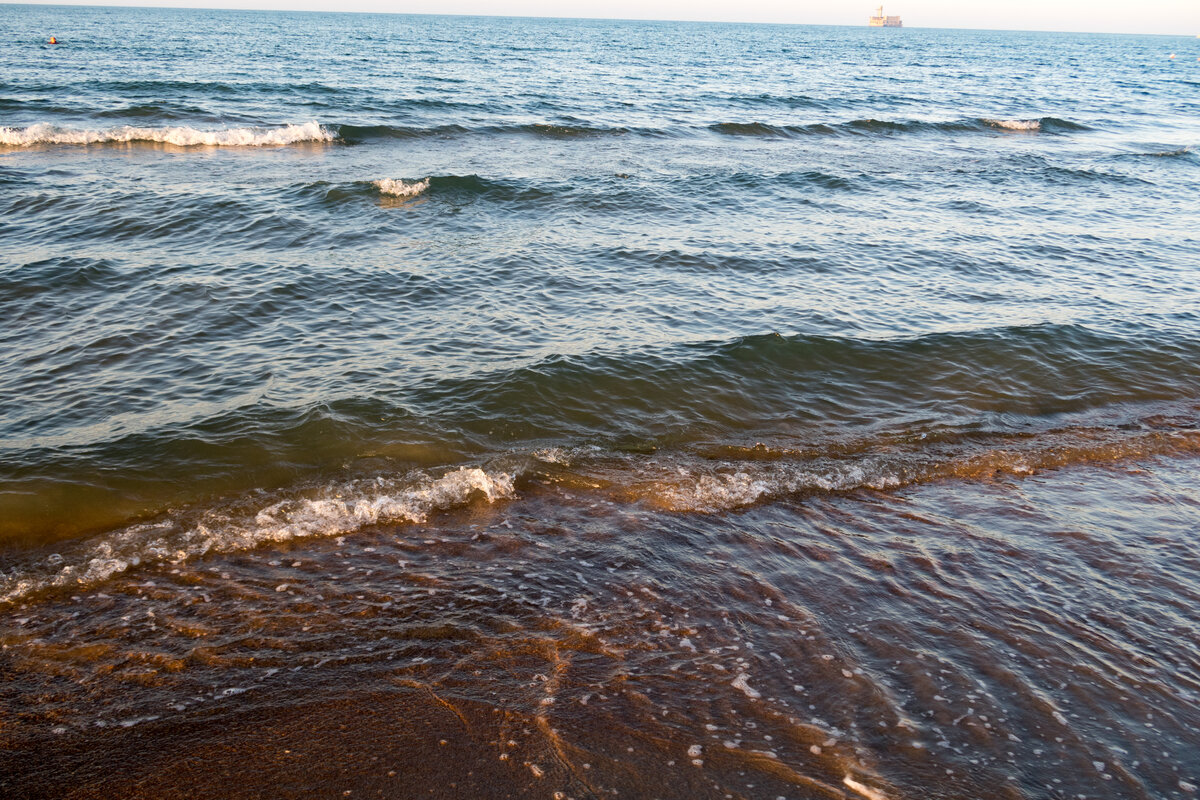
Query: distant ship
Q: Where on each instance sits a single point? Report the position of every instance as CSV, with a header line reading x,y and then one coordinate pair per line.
x,y
880,21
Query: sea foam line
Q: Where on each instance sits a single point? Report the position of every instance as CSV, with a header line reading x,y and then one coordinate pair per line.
x,y
181,136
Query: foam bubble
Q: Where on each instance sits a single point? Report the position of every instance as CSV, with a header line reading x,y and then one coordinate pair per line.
x,y
399,188
742,682
181,136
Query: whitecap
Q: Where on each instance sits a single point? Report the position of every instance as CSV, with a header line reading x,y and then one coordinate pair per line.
x,y
1015,124
399,188
180,136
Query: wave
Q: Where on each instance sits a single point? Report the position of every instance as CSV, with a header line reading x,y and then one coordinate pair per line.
x,y
819,382
249,136
1185,152
464,188
763,475
400,188
1043,124
555,131
766,386
356,134
604,192
707,479
1014,124
867,127
323,511
180,136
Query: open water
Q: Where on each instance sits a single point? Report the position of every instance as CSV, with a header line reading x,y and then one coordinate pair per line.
x,y
429,406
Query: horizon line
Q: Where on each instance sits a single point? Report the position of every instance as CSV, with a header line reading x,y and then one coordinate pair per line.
x,y
189,7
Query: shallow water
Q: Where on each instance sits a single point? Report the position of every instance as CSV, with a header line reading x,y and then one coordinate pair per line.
x,y
734,410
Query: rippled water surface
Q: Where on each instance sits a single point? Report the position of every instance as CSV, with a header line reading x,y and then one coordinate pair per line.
x,y
432,406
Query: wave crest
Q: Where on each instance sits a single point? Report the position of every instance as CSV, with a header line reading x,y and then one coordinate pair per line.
x,y
1015,124
400,188
180,136
329,511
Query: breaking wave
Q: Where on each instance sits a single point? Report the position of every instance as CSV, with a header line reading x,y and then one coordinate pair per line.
x,y
180,136
186,136
401,188
327,511
697,479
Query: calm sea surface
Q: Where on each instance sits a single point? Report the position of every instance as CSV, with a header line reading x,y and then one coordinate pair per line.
x,y
401,406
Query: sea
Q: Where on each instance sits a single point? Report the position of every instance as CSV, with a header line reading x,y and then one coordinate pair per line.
x,y
435,406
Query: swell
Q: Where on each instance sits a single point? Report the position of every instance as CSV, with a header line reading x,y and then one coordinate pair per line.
x,y
362,134
757,385
1034,371
283,217
792,394
618,192
355,134
811,102
768,384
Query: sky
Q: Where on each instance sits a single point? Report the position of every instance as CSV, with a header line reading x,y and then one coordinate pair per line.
x,y
1181,17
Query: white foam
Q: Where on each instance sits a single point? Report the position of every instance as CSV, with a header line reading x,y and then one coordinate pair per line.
x,y
181,136
329,511
1015,124
742,682
399,188
726,490
863,789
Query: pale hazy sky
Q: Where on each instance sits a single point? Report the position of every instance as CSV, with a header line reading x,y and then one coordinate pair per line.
x,y
1136,16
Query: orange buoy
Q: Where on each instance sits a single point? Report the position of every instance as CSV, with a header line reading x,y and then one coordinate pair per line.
x,y
53,40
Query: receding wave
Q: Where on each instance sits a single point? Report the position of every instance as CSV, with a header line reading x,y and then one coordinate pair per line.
x,y
180,136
